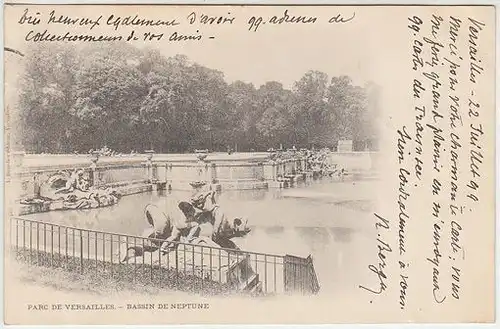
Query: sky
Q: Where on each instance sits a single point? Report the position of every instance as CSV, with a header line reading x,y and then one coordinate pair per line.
x,y
285,57
281,61
282,53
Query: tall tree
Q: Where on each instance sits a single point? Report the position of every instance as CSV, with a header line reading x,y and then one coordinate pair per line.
x,y
270,121
77,98
311,112
108,98
47,94
242,105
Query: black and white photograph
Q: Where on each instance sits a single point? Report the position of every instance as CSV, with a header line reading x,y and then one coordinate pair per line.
x,y
203,164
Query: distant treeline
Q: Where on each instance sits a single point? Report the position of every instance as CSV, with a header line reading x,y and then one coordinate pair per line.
x,y
76,99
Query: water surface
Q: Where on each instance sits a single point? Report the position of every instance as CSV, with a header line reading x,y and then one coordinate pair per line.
x,y
332,221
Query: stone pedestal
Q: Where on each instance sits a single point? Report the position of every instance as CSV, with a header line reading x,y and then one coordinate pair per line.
x,y
17,160
149,165
269,170
294,167
94,174
162,173
279,169
213,173
344,146
207,173
36,185
14,174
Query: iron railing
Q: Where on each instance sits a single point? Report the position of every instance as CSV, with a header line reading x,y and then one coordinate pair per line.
x,y
198,268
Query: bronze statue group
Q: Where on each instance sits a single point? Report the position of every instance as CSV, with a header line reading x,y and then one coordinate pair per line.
x,y
199,220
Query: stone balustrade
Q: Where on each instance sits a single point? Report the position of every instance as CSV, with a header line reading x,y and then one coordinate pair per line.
x,y
142,172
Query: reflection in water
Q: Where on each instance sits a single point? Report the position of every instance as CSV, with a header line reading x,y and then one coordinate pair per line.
x,y
342,234
337,237
274,230
315,237
244,195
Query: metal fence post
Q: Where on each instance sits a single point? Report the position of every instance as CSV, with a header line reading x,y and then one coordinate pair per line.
x,y
95,252
51,245
265,273
17,238
81,251
202,267
275,287
103,251
31,243
111,254
177,261
10,231
299,274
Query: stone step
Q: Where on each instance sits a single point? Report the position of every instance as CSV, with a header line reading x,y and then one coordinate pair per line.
x,y
250,283
257,289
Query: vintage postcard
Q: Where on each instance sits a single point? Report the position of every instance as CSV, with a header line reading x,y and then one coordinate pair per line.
x,y
208,164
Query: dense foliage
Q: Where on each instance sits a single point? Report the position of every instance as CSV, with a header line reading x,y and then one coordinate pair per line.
x,y
133,99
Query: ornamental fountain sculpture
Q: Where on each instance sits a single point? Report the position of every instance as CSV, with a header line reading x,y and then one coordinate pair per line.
x,y
70,189
202,170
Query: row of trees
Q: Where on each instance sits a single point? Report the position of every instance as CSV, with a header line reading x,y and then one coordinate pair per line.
x,y
74,99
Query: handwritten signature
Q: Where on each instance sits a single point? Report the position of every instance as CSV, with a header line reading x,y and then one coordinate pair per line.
x,y
383,249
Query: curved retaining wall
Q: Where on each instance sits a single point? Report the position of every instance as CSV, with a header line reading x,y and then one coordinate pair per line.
x,y
145,172
242,170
